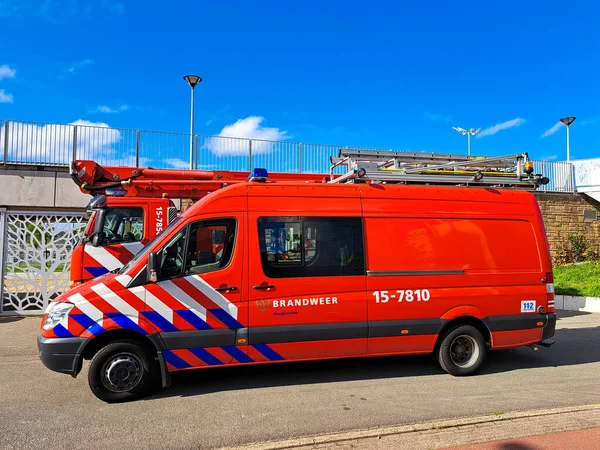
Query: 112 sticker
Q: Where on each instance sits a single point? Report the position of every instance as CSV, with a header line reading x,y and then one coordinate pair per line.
x,y
528,306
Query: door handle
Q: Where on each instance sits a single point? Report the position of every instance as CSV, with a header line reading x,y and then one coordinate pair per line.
x,y
226,288
263,286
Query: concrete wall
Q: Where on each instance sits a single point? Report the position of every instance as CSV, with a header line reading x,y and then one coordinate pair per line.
x,y
563,214
39,189
583,304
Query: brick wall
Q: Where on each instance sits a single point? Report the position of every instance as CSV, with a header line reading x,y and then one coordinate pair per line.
x,y
563,214
186,203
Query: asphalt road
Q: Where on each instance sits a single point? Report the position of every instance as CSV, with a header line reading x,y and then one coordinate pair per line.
x,y
223,407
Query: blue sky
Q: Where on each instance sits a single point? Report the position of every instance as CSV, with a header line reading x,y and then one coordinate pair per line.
x,y
379,74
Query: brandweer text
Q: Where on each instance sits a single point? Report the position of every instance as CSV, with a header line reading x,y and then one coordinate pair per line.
x,y
305,302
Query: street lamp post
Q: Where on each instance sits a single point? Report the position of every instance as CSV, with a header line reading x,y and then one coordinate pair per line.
x,y
192,80
469,133
568,121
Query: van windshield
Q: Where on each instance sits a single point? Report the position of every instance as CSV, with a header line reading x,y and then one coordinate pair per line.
x,y
145,249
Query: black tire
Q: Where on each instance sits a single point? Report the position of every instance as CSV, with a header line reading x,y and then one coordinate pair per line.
x,y
462,350
121,371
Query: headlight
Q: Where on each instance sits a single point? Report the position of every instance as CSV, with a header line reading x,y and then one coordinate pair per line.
x,y
55,313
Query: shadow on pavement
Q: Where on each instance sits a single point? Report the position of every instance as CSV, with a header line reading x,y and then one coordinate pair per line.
x,y
516,446
573,347
566,314
7,319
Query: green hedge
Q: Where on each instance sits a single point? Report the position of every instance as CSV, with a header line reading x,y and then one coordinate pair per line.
x,y
578,279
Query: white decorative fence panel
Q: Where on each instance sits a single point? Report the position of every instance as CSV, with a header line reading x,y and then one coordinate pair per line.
x,y
36,254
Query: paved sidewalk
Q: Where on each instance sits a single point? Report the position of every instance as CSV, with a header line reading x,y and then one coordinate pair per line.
x,y
581,439
530,430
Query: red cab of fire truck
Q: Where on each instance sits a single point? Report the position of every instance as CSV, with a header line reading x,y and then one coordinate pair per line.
x,y
270,272
131,206
118,227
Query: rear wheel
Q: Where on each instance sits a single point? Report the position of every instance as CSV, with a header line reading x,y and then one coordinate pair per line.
x,y
121,371
462,350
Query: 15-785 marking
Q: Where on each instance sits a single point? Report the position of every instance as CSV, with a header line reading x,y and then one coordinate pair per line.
x,y
407,295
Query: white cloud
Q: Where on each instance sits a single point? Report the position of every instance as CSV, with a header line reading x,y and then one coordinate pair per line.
x,y
501,126
248,128
74,68
5,97
53,144
108,110
208,122
177,163
550,158
7,72
251,128
435,117
87,123
557,126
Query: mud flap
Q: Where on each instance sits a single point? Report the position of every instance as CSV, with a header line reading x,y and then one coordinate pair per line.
x,y
165,375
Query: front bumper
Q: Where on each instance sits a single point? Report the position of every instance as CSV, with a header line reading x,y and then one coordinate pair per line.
x,y
61,354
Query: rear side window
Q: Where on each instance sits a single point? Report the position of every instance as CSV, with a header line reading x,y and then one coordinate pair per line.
x,y
294,247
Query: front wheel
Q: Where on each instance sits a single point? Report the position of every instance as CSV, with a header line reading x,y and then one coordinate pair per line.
x,y
121,371
462,350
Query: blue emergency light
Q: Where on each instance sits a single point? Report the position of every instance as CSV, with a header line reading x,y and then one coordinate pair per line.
x,y
115,192
258,175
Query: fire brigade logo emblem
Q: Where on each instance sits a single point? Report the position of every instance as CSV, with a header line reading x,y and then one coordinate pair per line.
x,y
263,304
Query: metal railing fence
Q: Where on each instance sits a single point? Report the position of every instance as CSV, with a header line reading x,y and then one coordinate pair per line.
x,y
560,174
46,144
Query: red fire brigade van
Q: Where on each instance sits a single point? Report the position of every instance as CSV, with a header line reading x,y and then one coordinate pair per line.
x,y
263,272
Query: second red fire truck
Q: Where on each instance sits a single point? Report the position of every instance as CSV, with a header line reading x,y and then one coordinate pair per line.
x,y
131,206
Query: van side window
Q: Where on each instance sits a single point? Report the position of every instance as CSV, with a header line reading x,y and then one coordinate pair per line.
x,y
294,247
282,242
210,245
203,246
171,256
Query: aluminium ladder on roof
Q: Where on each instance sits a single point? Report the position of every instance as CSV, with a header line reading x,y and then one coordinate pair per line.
x,y
434,168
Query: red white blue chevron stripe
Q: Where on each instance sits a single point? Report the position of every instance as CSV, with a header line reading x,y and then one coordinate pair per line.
x,y
103,259
181,304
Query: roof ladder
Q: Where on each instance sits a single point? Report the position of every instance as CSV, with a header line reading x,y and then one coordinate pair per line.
x,y
515,171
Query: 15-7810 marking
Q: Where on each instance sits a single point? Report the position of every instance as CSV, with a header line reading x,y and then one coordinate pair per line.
x,y
407,295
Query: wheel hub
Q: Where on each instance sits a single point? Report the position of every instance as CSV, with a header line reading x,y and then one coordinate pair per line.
x,y
122,373
463,350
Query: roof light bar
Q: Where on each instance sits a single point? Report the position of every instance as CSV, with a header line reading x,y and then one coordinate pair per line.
x,y
116,192
258,175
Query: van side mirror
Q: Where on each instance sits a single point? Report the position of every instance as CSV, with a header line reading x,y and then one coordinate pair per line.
x,y
97,239
99,223
153,267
